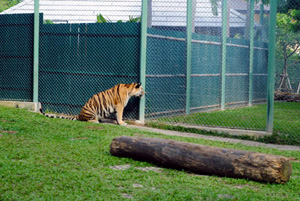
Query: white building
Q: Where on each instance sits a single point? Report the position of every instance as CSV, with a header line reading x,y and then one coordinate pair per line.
x,y
162,13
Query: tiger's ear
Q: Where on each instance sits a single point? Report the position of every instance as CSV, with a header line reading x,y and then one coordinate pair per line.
x,y
138,85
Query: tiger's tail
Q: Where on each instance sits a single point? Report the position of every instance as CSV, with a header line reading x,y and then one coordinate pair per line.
x,y
59,116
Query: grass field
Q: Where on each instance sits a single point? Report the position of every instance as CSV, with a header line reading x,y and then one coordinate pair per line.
x,y
286,121
54,159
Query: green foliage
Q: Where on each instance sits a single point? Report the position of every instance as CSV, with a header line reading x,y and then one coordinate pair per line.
x,y
6,4
102,19
290,21
53,159
284,6
287,34
295,15
48,22
134,19
288,41
238,36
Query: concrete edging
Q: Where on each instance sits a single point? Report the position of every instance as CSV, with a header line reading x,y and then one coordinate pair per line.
x,y
236,132
31,106
230,131
216,138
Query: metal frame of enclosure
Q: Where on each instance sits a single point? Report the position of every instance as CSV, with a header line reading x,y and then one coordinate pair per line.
x,y
182,71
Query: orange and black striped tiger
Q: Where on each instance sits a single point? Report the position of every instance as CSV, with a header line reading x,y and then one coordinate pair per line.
x,y
106,102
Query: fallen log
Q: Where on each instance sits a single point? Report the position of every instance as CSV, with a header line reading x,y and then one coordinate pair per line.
x,y
204,159
286,96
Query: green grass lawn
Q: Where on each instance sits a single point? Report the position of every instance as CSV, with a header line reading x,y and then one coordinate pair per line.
x,y
54,159
286,121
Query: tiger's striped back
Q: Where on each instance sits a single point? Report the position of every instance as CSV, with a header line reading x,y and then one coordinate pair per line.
x,y
99,104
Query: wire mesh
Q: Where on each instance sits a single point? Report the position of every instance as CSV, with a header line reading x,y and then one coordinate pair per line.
x,y
89,46
79,60
16,42
85,47
287,70
167,76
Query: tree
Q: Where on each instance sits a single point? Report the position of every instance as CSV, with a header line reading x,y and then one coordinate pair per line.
x,y
288,45
5,4
288,27
285,5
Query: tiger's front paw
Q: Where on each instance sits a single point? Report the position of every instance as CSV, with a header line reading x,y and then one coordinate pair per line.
x,y
93,121
122,123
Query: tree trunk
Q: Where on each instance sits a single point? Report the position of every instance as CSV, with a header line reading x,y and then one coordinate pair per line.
x,y
204,159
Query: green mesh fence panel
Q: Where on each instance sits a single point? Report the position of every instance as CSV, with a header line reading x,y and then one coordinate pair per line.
x,y
205,77
237,72
260,72
80,60
16,57
165,71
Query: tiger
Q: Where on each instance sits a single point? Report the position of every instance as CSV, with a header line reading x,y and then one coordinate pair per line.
x,y
102,104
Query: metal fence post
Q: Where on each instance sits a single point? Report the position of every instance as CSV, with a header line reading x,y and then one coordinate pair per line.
x,y
143,54
224,50
149,14
189,23
251,46
271,66
36,52
261,21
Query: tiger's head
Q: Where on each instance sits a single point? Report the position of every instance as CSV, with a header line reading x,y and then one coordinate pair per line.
x,y
136,90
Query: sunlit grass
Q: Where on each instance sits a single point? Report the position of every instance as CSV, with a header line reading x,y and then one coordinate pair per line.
x,y
54,159
286,121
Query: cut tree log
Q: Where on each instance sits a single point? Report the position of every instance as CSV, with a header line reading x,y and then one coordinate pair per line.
x,y
204,159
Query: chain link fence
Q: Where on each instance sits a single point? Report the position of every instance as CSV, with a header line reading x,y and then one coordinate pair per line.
x,y
86,52
79,60
287,80
219,85
206,60
16,44
84,47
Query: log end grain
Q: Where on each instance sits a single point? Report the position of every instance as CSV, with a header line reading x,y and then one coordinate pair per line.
x,y
285,171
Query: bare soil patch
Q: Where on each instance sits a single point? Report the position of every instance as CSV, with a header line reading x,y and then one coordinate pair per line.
x,y
94,127
9,132
79,138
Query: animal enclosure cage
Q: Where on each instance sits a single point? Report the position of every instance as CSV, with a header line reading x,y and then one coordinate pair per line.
x,y
192,57
204,57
